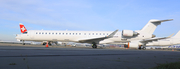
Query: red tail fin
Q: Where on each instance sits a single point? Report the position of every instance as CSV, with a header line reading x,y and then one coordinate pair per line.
x,y
22,28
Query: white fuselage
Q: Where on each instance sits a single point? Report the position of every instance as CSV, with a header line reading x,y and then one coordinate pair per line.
x,y
75,36
165,42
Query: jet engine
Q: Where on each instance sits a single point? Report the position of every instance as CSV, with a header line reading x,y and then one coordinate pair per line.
x,y
135,45
129,33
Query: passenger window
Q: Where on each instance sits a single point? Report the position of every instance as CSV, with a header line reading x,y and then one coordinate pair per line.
x,y
43,33
79,33
49,33
63,33
66,33
89,33
59,33
96,33
99,33
46,33
36,33
56,33
73,33
92,33
76,33
84,33
69,33
52,33
103,33
39,32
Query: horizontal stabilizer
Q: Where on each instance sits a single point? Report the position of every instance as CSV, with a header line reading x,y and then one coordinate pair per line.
x,y
151,26
161,20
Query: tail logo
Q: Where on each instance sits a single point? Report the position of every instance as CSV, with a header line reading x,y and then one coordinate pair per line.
x,y
23,29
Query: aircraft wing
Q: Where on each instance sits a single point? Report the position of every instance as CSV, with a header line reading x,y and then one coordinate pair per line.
x,y
98,39
154,39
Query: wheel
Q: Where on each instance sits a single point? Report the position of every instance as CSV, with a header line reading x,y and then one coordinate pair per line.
x,y
144,48
93,46
44,43
139,48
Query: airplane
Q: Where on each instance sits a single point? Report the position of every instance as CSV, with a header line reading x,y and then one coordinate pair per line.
x,y
175,40
92,37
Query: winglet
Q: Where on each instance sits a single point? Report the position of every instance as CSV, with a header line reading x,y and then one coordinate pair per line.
x,y
161,20
177,35
170,35
113,33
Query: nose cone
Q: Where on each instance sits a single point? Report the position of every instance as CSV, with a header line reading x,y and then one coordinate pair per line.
x,y
18,36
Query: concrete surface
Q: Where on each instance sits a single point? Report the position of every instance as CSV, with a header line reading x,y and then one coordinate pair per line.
x,y
39,57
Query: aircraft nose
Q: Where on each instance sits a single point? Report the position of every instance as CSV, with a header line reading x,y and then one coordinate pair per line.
x,y
18,36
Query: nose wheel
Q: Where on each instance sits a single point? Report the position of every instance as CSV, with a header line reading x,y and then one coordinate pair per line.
x,y
23,42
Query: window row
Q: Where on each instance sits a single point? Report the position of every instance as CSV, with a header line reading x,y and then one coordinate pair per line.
x,y
72,33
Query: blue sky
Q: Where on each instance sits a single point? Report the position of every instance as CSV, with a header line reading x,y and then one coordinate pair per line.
x,y
87,15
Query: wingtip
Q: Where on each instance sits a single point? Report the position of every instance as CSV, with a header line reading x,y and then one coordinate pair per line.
x,y
170,19
170,35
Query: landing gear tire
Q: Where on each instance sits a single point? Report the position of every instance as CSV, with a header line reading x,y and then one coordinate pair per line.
x,y
139,48
44,43
23,42
94,45
144,48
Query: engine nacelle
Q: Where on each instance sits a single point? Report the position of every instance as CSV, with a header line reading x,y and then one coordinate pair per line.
x,y
132,45
129,33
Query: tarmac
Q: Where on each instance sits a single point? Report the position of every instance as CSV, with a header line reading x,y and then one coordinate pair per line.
x,y
17,56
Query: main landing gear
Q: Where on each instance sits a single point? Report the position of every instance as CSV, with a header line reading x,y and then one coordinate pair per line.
x,y
94,45
142,47
49,43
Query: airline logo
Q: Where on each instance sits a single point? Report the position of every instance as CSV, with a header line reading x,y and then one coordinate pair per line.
x,y
22,28
174,46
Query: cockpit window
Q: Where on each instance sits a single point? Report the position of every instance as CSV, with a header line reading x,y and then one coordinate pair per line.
x,y
25,33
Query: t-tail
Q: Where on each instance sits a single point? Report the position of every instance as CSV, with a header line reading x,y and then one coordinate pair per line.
x,y
22,28
151,26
